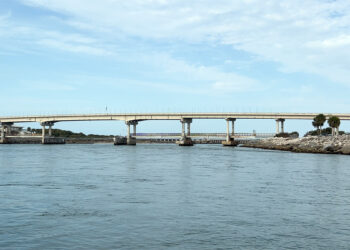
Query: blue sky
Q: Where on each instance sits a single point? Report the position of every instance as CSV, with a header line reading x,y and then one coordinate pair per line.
x,y
79,56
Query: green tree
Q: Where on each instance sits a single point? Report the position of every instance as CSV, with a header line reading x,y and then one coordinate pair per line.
x,y
334,123
318,122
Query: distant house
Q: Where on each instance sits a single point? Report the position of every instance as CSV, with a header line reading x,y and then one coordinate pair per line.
x,y
15,130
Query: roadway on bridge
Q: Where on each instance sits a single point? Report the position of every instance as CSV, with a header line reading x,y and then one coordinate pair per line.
x,y
163,116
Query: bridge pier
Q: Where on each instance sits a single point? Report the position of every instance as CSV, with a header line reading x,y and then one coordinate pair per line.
x,y
277,126
282,125
5,131
50,130
2,134
230,141
278,122
9,128
185,137
131,140
43,132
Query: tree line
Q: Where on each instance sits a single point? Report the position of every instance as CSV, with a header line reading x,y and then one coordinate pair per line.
x,y
67,133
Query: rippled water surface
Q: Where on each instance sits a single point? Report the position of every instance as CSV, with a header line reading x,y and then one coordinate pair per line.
x,y
165,196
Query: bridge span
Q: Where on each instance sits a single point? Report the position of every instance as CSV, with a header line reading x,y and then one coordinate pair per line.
x,y
134,118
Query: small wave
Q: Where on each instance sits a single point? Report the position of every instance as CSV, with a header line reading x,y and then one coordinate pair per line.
x,y
46,186
84,186
74,213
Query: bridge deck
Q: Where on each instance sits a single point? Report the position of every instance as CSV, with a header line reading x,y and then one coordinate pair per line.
x,y
164,116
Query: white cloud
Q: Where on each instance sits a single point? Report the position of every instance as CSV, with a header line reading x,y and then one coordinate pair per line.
x,y
210,79
339,41
4,22
65,41
48,86
73,47
303,36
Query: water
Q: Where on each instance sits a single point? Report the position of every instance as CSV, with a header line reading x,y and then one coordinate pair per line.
x,y
165,196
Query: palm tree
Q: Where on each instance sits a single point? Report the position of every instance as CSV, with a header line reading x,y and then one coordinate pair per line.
x,y
334,123
318,122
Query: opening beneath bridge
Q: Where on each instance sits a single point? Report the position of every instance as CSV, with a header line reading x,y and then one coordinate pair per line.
x,y
174,126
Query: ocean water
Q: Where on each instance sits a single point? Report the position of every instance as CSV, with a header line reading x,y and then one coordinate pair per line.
x,y
169,197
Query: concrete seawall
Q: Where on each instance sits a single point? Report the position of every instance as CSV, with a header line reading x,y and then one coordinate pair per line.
x,y
33,140
311,144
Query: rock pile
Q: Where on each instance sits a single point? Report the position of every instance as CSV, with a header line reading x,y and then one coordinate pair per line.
x,y
310,144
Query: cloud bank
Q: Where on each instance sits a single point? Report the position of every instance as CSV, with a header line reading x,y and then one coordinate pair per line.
x,y
301,36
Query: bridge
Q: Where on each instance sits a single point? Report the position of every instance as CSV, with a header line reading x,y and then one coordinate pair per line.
x,y
132,119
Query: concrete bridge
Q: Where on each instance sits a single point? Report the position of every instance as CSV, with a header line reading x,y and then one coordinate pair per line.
x,y
132,119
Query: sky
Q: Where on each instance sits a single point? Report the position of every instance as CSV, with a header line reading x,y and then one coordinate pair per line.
x,y
88,56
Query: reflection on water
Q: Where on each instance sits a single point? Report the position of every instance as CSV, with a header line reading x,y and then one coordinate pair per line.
x,y
165,196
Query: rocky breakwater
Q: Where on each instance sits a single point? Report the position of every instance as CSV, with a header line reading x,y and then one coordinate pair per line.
x,y
310,144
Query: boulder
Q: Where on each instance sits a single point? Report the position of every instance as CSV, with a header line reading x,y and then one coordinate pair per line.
x,y
345,149
329,148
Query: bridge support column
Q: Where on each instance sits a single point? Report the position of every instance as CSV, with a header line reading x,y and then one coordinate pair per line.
x,y
189,129
50,130
185,137
43,132
282,125
228,130
277,126
233,127
128,128
229,137
44,140
183,133
130,140
134,128
2,134
9,129
280,129
5,131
